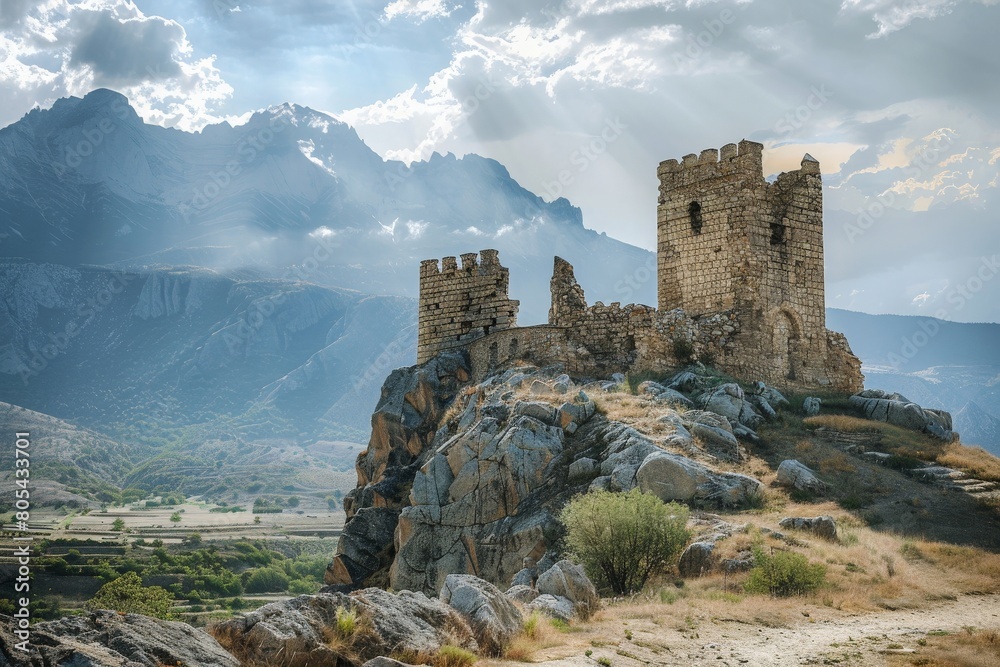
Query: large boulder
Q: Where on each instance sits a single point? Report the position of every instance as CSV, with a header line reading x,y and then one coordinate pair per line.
x,y
298,631
672,477
567,580
664,394
811,405
896,409
494,619
521,593
773,397
729,401
554,606
404,425
109,638
697,559
821,526
464,514
796,475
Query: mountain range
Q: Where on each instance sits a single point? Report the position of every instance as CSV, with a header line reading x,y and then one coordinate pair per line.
x,y
292,192
247,289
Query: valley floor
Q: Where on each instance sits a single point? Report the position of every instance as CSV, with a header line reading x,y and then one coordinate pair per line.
x,y
825,636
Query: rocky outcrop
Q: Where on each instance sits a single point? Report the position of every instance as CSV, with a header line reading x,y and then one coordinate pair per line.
x,y
403,427
796,475
554,606
896,409
486,476
820,526
494,619
299,631
729,400
664,394
112,639
811,405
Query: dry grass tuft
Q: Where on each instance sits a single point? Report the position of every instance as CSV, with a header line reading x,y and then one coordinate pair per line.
x,y
975,461
537,634
969,648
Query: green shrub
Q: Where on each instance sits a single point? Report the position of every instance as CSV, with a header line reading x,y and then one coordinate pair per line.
x,y
302,586
267,580
127,595
783,574
530,625
623,538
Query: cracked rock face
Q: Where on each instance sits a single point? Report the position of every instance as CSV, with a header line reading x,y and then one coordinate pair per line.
x,y
403,426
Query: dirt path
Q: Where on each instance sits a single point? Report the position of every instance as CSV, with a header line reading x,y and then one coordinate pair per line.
x,y
863,639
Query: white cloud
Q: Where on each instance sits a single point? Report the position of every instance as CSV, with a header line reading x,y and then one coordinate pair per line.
x,y
60,48
893,15
416,228
418,10
322,233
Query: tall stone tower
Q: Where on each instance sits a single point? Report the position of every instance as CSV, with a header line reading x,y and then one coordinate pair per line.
x,y
729,241
460,304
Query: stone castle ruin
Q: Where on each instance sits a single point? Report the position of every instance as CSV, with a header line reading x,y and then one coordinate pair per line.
x,y
740,287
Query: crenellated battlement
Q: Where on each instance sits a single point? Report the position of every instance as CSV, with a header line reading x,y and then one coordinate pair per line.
x,y
745,158
487,260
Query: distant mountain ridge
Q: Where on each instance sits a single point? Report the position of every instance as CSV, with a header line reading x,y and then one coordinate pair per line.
x,y
88,182
911,343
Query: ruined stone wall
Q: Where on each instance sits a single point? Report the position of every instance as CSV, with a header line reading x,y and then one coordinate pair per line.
x,y
461,304
606,334
538,345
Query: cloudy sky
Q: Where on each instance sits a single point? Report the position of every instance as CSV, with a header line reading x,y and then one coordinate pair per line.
x,y
898,99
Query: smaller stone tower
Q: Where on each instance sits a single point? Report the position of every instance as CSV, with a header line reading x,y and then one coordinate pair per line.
x,y
460,304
